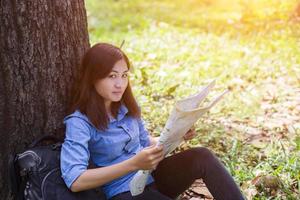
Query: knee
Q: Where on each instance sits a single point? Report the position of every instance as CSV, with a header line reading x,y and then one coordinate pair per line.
x,y
202,154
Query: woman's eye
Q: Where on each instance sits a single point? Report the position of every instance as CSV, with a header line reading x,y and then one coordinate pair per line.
x,y
125,75
112,76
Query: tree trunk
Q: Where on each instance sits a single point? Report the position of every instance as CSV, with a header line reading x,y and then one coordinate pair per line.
x,y
41,43
297,11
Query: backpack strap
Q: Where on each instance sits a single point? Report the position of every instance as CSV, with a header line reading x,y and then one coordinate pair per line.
x,y
20,195
14,175
17,183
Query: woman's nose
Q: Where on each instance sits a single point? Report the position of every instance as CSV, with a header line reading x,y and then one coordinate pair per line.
x,y
118,83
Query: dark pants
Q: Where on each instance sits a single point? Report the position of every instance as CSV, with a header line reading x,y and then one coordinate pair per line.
x,y
177,173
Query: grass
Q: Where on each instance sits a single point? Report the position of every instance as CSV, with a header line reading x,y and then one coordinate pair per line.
x,y
253,49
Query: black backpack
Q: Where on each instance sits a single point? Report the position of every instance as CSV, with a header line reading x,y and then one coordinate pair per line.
x,y
35,174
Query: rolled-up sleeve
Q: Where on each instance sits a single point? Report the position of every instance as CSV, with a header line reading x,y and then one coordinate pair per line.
x,y
75,153
144,135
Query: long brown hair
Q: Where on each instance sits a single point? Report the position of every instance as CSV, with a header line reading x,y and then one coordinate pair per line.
x,y
96,64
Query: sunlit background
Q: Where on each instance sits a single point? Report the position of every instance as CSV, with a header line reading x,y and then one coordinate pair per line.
x,y
251,48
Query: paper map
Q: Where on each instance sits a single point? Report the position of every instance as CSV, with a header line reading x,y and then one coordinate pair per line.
x,y
183,116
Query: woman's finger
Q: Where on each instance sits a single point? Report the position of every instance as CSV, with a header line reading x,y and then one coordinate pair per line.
x,y
190,135
192,128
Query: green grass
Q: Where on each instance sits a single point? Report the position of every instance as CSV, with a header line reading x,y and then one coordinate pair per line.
x,y
252,49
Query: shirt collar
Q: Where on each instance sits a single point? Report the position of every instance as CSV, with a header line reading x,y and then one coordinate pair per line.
x,y
121,114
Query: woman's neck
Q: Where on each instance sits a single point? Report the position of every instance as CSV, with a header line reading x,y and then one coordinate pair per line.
x,y
108,108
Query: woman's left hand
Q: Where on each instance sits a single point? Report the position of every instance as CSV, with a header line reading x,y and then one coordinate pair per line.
x,y
190,134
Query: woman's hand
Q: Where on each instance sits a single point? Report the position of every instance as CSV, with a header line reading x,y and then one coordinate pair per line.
x,y
148,158
190,134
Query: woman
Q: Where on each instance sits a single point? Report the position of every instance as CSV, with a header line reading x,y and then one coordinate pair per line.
x,y
105,126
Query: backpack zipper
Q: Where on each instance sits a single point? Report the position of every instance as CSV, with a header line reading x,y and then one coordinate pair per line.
x,y
44,180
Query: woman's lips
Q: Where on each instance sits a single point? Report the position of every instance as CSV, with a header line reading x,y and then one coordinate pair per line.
x,y
117,93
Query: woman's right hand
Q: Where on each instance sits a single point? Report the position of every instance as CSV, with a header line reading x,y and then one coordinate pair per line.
x,y
148,158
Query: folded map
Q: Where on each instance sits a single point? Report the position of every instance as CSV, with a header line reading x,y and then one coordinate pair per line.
x,y
183,116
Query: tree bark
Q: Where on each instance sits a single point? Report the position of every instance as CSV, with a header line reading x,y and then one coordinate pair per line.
x,y
41,43
297,11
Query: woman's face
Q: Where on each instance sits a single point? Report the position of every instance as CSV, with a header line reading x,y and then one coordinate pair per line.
x,y
112,87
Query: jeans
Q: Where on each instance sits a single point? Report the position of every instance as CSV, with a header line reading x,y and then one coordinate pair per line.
x,y
177,173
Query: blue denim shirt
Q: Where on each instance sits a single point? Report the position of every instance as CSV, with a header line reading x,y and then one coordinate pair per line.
x,y
124,137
